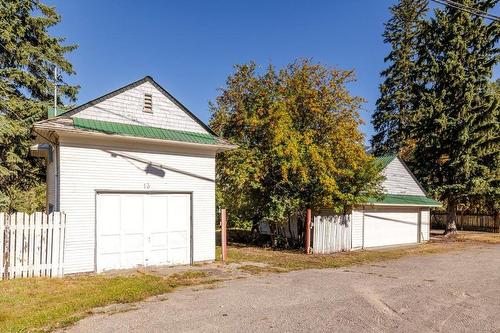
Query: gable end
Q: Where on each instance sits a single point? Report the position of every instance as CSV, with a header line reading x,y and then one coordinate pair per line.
x,y
400,180
133,85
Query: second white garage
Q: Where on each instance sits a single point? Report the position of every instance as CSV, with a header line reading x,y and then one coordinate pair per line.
x,y
401,215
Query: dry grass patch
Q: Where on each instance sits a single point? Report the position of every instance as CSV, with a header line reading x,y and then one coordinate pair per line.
x,y
41,304
479,237
284,261
289,260
254,269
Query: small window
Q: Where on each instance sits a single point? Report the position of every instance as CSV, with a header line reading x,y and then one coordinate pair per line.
x,y
148,103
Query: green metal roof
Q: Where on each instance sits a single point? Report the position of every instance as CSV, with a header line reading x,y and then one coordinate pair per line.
x,y
384,161
143,131
400,199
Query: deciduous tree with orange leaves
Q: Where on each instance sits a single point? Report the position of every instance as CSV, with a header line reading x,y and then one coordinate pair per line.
x,y
299,142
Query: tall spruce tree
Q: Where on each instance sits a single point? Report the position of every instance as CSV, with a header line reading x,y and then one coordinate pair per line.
x,y
28,54
457,153
396,105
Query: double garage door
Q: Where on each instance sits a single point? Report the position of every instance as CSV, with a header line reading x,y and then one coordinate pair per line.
x,y
139,229
391,226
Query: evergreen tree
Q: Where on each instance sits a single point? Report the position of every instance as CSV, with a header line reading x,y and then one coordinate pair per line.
x,y
396,105
28,54
457,153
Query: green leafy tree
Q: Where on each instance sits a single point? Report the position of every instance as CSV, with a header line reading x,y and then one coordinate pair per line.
x,y
28,54
457,153
395,108
299,142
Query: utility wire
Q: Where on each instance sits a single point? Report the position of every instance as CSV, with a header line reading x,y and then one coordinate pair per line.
x,y
469,10
472,8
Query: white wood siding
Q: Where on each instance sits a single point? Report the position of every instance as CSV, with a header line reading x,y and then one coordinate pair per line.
x,y
357,228
425,230
399,181
127,107
86,168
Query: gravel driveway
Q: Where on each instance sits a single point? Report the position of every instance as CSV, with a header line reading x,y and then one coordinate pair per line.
x,y
452,292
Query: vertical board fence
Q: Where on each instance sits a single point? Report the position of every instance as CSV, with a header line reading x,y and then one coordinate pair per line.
x,y
468,222
32,245
331,234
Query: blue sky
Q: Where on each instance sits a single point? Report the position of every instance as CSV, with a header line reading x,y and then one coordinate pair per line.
x,y
190,47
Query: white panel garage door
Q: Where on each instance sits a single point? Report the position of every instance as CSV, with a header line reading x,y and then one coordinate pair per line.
x,y
135,229
390,226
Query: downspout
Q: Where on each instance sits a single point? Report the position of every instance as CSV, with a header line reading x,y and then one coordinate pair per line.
x,y
363,230
56,179
419,226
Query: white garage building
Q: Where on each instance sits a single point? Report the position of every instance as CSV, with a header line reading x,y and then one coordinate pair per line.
x,y
401,216
134,172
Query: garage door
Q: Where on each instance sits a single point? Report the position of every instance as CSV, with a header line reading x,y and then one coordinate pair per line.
x,y
390,226
142,230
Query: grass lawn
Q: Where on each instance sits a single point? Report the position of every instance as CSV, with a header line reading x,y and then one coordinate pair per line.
x,y
41,304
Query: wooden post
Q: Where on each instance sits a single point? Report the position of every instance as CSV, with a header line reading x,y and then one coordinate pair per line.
x,y
497,222
223,234
308,231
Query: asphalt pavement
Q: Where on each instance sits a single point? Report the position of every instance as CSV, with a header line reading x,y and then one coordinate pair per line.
x,y
450,292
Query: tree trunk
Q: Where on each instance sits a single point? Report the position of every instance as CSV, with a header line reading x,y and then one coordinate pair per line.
x,y
451,219
273,230
497,221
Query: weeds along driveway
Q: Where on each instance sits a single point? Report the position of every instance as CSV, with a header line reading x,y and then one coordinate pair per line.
x,y
449,292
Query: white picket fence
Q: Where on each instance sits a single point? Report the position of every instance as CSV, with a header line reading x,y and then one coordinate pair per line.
x,y
331,233
32,245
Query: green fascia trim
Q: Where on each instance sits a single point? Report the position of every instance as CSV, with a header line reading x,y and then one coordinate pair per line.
x,y
400,199
384,161
143,131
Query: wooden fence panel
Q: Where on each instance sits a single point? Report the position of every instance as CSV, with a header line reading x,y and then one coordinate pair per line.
x,y
469,222
32,245
331,234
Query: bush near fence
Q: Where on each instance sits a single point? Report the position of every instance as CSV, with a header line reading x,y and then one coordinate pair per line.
x,y
468,222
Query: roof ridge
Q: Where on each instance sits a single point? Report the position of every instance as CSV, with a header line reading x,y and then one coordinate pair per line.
x,y
385,160
147,78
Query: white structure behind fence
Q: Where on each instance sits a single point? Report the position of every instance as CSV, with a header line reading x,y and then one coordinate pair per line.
x,y
31,245
331,233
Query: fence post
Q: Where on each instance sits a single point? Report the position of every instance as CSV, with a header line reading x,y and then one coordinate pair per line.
x,y
223,234
308,231
497,222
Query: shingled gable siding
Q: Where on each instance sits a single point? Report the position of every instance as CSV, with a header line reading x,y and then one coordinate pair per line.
x,y
127,107
399,181
86,168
